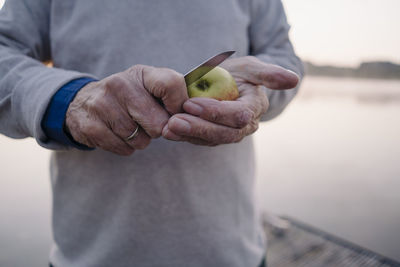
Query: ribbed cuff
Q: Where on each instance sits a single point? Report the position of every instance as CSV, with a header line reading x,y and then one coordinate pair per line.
x,y
54,118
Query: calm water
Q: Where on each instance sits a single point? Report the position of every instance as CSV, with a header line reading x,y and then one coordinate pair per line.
x,y
331,160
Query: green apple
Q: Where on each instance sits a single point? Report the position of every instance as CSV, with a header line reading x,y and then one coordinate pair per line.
x,y
217,83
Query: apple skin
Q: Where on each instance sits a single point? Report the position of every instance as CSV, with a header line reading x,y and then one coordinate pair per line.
x,y
217,83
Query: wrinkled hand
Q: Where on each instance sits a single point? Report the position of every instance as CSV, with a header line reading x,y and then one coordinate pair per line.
x,y
212,122
104,113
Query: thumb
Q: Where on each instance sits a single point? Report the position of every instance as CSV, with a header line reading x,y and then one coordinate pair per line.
x,y
167,85
253,70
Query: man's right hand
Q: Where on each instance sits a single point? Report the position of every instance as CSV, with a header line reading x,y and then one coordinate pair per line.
x,y
104,113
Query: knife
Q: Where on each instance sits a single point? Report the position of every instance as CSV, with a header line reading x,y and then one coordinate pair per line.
x,y
202,69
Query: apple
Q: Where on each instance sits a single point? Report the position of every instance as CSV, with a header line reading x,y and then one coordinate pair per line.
x,y
217,83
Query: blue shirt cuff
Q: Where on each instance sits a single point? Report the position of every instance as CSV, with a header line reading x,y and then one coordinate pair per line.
x,y
54,118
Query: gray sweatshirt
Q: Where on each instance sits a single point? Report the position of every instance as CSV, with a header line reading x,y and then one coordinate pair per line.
x,y
172,204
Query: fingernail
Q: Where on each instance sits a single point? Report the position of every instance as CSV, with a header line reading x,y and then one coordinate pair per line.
x,y
179,126
192,108
292,72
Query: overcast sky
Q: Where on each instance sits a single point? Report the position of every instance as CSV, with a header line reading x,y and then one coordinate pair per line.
x,y
344,32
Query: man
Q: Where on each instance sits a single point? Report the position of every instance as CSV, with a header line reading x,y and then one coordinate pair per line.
x,y
156,190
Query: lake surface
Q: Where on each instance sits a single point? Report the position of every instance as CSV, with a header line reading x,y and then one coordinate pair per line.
x,y
331,160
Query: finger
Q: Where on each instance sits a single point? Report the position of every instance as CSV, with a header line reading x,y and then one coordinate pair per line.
x,y
257,72
229,113
122,125
98,134
194,127
237,114
168,85
193,140
117,119
139,104
141,141
198,141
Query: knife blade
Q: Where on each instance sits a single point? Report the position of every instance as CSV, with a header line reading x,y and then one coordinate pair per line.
x,y
202,69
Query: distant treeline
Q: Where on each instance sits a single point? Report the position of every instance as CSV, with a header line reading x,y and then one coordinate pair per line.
x,y
375,70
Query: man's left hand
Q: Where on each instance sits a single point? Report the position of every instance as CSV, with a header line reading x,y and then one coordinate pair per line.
x,y
212,122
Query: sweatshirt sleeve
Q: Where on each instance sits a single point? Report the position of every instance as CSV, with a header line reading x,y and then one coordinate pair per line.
x,y
26,84
269,42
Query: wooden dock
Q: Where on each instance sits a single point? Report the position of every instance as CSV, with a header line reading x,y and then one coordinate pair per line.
x,y
293,243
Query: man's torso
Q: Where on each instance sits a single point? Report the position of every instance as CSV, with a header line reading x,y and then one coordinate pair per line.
x,y
172,204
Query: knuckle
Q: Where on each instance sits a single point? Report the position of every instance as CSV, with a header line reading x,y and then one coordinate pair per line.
x,y
261,94
159,86
169,80
175,79
264,105
236,135
264,108
155,131
205,133
90,103
99,104
214,114
135,71
153,123
95,103
260,75
239,136
244,117
91,130
118,129
253,126
114,82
